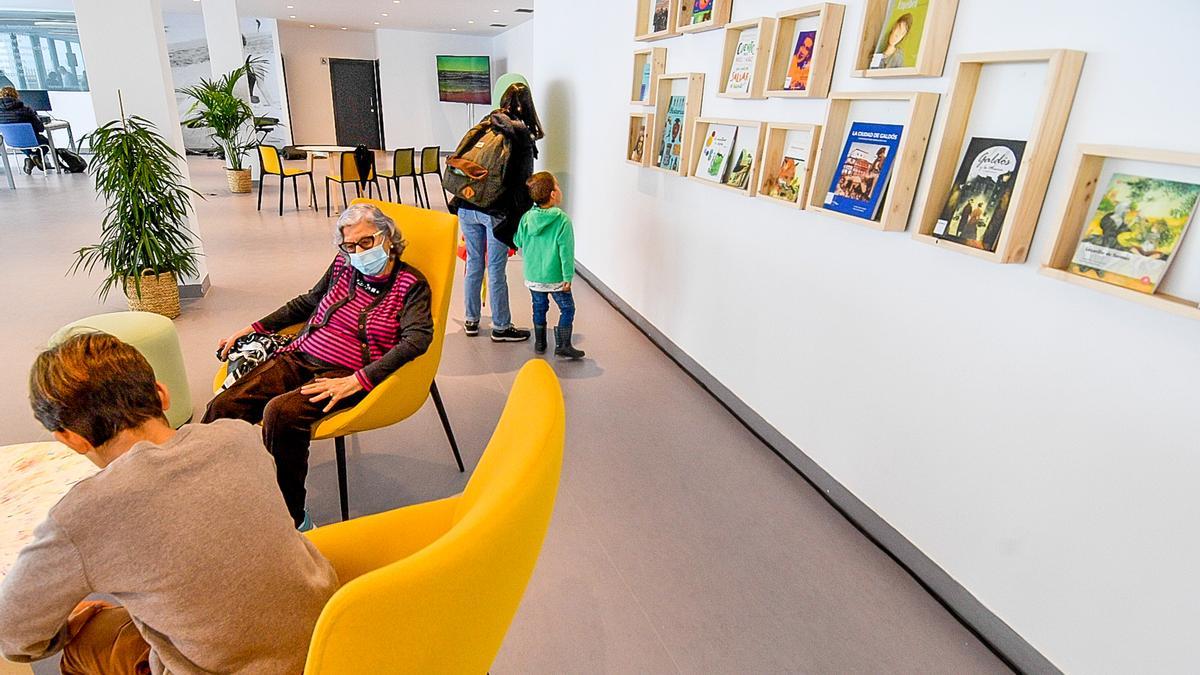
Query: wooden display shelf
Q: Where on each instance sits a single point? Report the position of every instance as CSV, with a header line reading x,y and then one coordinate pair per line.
x,y
906,167
656,58
774,146
642,30
828,17
1037,163
700,131
694,83
762,55
1079,208
641,124
721,11
935,40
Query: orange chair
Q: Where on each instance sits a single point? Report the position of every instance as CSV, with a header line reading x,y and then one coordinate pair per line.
x,y
271,164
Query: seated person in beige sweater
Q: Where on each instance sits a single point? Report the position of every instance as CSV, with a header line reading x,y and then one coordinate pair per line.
x,y
185,529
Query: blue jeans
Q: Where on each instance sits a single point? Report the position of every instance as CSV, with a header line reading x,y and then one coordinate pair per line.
x,y
541,305
477,228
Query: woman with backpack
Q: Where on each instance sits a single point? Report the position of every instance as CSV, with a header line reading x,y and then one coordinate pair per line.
x,y
489,230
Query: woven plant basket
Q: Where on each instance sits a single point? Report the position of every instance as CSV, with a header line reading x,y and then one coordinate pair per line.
x,y
239,181
160,294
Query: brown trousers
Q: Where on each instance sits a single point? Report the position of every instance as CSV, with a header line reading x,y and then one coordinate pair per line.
x,y
270,394
104,642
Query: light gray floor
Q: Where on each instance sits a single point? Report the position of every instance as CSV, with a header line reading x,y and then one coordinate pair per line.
x,y
679,543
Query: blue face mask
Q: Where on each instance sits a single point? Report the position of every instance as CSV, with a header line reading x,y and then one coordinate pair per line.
x,y
371,261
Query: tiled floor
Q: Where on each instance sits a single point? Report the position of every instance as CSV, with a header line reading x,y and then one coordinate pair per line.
x,y
679,542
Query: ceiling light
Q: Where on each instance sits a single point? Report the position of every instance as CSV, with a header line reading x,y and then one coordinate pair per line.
x,y
292,16
291,7
383,14
469,21
343,28
453,29
495,11
376,23
311,26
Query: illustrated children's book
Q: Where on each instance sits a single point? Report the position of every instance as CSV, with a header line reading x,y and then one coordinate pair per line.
x,y
742,68
637,145
978,201
739,173
658,21
714,154
801,61
672,135
867,157
900,39
701,11
786,183
1131,239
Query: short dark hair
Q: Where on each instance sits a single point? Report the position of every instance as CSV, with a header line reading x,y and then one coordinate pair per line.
x,y
95,385
540,185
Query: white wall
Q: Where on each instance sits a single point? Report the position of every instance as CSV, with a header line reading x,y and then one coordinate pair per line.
x,y
412,114
1036,439
309,92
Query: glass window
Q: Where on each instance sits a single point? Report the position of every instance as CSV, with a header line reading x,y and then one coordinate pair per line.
x,y
40,50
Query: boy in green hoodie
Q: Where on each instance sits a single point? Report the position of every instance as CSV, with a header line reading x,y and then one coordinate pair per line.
x,y
547,245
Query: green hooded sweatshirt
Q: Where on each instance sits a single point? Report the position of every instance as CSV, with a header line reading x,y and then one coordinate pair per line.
x,y
547,244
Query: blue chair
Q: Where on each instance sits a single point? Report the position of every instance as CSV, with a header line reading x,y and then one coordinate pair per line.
x,y
21,136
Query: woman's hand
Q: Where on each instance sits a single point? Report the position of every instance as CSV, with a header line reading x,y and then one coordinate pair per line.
x,y
226,344
334,389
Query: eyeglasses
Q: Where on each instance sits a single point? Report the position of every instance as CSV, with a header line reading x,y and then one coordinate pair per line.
x,y
360,245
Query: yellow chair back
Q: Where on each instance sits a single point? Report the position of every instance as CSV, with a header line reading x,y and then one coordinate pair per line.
x,y
402,162
349,172
433,588
432,239
431,159
268,160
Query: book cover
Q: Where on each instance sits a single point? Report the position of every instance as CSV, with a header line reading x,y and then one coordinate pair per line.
x,y
637,145
1131,239
858,186
978,201
645,81
739,173
714,154
672,137
801,61
900,39
743,63
658,20
785,184
701,11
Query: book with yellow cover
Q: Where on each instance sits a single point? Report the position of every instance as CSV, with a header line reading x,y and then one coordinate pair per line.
x,y
900,38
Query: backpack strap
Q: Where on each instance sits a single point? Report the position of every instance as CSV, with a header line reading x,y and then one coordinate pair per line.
x,y
473,136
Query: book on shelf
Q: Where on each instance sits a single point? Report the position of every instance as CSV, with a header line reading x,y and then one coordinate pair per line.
x,y
645,80
785,183
715,152
658,20
742,67
978,201
1131,239
862,176
701,11
900,38
672,134
739,172
800,64
638,145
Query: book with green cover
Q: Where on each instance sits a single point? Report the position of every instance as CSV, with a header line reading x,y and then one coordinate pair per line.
x,y
701,11
714,154
900,38
739,173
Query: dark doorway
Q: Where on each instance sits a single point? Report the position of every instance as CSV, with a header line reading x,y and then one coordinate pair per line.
x,y
357,114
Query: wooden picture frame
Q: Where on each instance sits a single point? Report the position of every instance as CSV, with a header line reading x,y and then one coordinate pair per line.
x,y
642,30
700,131
645,122
935,40
774,146
721,11
828,17
762,55
1041,149
694,84
1088,168
906,167
656,58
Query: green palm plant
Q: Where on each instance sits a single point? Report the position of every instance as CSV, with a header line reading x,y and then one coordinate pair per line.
x,y
216,106
145,226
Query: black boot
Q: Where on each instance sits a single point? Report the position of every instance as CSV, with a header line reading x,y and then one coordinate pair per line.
x,y
539,339
562,343
27,167
36,159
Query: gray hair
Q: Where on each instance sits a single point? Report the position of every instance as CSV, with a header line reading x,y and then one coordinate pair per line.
x,y
358,213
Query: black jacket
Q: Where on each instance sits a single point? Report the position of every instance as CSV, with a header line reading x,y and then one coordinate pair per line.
x,y
12,110
515,200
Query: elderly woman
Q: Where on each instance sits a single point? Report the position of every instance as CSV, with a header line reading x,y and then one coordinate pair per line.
x,y
367,316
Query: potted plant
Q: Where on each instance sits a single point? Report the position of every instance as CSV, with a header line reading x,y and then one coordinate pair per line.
x,y
216,106
145,241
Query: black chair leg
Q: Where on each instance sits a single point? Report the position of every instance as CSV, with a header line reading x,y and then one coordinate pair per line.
x,y
296,194
417,192
327,213
388,183
261,180
282,188
339,444
441,409
313,193
345,202
428,204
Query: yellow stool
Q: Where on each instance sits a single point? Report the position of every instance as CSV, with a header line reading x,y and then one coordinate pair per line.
x,y
155,337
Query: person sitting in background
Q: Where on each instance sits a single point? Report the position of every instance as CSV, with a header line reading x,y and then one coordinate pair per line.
x,y
367,316
13,110
184,528
68,78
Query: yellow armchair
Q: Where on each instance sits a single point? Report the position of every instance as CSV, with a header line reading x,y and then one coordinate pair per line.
x,y
433,588
431,249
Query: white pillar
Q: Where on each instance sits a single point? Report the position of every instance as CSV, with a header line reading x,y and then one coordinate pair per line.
x,y
125,48
225,52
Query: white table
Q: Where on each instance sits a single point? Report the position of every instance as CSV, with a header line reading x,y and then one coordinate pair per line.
x,y
33,477
312,151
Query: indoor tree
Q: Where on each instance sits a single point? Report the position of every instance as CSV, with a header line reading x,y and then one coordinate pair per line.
x,y
217,106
